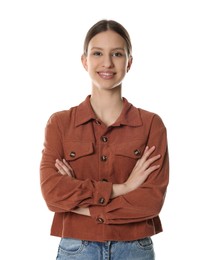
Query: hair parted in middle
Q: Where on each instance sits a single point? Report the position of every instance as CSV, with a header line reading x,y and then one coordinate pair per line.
x,y
103,26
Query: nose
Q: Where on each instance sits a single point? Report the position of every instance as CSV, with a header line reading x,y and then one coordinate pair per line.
x,y
107,61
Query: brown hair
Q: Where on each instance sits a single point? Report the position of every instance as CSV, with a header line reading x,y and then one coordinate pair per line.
x,y
105,25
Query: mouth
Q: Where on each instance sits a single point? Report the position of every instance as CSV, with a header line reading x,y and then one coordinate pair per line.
x,y
106,75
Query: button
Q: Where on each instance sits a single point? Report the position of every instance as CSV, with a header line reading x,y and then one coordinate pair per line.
x,y
101,200
104,180
100,220
104,139
72,154
103,158
137,152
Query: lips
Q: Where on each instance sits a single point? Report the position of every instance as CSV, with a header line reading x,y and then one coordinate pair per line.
x,y
106,74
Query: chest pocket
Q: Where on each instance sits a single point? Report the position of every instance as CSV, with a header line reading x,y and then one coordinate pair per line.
x,y
74,150
133,149
125,157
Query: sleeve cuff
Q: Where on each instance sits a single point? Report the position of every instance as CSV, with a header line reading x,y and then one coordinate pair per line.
x,y
103,193
98,214
102,198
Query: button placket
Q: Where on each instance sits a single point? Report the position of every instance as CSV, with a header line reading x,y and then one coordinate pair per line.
x,y
104,156
104,139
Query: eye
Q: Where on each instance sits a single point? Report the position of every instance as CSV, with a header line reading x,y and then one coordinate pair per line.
x,y
117,54
97,53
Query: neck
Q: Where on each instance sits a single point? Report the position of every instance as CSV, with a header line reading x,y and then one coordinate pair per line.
x,y
106,104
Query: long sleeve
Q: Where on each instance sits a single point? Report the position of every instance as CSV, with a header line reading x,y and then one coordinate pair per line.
x,y
62,193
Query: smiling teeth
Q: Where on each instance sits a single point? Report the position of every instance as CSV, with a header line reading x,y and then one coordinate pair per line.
x,y
106,74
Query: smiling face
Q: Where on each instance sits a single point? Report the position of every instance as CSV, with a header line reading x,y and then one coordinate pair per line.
x,y
107,60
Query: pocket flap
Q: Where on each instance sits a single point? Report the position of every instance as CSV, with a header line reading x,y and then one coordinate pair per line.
x,y
75,149
132,149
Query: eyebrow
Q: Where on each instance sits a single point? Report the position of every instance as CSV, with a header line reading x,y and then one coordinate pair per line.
x,y
114,49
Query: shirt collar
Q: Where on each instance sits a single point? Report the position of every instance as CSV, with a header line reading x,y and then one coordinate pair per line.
x,y
130,115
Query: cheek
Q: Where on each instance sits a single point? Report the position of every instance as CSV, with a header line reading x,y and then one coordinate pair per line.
x,y
93,66
123,65
92,72
123,68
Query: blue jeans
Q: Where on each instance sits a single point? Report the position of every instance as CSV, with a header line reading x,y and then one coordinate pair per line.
x,y
74,249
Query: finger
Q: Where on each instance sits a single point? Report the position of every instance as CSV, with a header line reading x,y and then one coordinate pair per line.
x,y
62,168
71,171
67,164
145,160
61,165
148,151
151,169
142,166
57,166
151,160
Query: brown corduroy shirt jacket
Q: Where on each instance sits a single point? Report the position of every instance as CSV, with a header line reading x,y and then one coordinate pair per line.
x,y
101,156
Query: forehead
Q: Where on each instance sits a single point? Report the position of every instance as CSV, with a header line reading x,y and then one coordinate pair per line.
x,y
107,39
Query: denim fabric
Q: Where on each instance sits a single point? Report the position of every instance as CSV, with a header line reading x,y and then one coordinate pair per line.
x,y
86,250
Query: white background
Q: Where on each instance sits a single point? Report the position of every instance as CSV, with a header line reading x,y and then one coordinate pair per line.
x,y
172,75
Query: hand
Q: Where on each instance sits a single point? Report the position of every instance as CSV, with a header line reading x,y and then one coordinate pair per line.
x,y
82,211
142,169
64,168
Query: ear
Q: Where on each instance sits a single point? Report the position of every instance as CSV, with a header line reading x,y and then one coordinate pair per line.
x,y
84,62
129,63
